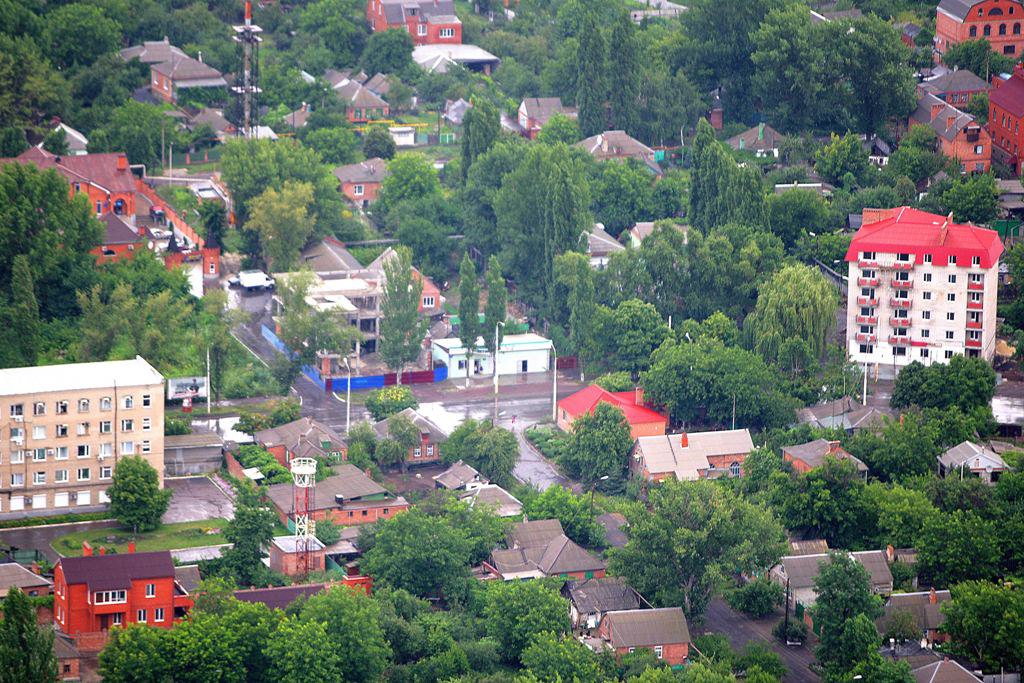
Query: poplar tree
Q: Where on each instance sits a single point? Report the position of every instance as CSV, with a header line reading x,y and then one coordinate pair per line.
x,y
24,311
497,301
469,310
26,650
566,219
481,129
592,88
401,326
624,80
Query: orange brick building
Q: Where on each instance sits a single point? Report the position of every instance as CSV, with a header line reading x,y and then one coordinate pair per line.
x,y
643,421
104,179
347,498
961,137
1000,22
360,182
428,450
663,631
428,21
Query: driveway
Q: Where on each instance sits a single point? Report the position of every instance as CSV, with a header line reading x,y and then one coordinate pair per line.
x,y
740,630
40,537
196,499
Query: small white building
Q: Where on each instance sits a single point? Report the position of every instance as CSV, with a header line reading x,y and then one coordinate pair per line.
x,y
404,136
518,354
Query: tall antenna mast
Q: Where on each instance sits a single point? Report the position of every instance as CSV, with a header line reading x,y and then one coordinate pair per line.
x,y
304,481
247,87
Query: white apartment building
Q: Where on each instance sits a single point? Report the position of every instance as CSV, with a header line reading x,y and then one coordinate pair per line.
x,y
64,427
921,288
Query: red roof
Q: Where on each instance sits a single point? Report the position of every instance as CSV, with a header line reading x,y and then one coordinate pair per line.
x,y
908,230
585,400
98,169
1010,95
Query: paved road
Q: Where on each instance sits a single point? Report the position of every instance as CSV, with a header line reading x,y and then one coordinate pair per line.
x,y
40,537
742,630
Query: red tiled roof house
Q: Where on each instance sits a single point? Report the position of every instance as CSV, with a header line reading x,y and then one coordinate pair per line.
x,y
642,420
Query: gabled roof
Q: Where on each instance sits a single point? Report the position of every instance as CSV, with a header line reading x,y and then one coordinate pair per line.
x,y
117,231
958,9
600,243
616,144
98,169
973,457
946,120
1009,95
814,453
117,571
802,570
13,575
304,437
347,485
336,78
370,171
602,595
379,84
908,230
152,52
76,141
279,597
646,627
955,81
533,534
669,453
329,256
423,423
182,68
559,555
188,577
927,614
760,138
457,476
455,110
540,109
357,95
214,118
946,671
584,401
503,503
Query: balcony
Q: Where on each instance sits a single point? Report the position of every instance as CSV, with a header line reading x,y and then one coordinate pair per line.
x,y
867,319
867,301
867,263
902,284
975,305
899,303
902,323
974,324
866,338
899,341
973,343
903,265
867,282
976,286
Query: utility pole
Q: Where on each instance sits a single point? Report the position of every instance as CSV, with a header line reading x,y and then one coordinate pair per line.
x,y
497,350
248,90
554,384
348,398
209,386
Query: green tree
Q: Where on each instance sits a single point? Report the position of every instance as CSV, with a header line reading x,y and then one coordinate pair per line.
x,y
638,331
378,143
282,220
353,623
302,651
137,654
134,128
759,598
592,92
828,501
843,587
23,313
986,623
788,58
574,512
549,657
332,33
794,213
877,668
481,128
386,402
858,643
76,35
907,448
797,303
250,531
693,536
56,142
410,177
624,79
401,326
13,142
469,310
841,158
518,611
573,272
496,304
959,546
623,195
599,447
978,57
136,499
33,90
307,330
973,199
26,650
334,145
559,128
917,156
388,52
491,450
215,222
964,382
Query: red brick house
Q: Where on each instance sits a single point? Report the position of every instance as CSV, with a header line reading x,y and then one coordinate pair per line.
x,y
362,105
538,549
1000,22
643,421
813,454
360,182
663,631
534,112
347,498
94,593
120,240
957,88
286,551
303,438
431,436
1005,115
178,73
961,137
429,22
691,456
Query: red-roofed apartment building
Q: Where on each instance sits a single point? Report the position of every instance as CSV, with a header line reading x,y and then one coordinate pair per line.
x,y
428,21
642,420
1006,118
921,288
96,592
997,21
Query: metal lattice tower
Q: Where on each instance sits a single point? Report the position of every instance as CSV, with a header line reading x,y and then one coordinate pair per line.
x,y
303,483
248,88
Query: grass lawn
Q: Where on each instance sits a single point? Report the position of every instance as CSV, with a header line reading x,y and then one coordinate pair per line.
x,y
167,537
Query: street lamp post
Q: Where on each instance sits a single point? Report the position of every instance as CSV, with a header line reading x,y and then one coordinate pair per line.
x,y
554,384
348,397
592,487
497,350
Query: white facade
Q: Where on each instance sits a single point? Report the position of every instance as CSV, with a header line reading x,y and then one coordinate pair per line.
x,y
518,354
899,311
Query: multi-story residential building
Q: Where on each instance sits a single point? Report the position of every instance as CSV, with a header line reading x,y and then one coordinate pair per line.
x,y
94,593
997,21
960,136
429,22
64,427
1005,113
923,288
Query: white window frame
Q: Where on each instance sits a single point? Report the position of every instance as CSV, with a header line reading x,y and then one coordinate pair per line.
x,y
147,400
88,474
127,402
110,597
150,590
39,432
83,450
61,453
17,457
106,426
429,301
127,425
17,480
357,190
39,478
421,29
145,446
106,403
158,614
147,424
60,476
140,616
127,448
106,472
446,33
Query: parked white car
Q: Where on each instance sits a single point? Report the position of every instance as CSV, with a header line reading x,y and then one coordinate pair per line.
x,y
252,280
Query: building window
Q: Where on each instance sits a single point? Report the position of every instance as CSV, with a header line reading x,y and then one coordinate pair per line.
x,y
974,31
60,476
421,29
106,472
17,479
987,31
925,334
147,424
105,403
39,455
158,614
145,447
951,297
949,354
82,429
105,427
357,190
38,478
430,450
658,651
927,296
83,450
39,432
150,590
952,260
106,450
927,277
128,402
109,597
62,407
952,279
1016,29
447,33
39,408
84,474
147,401
976,261
17,435
83,405
926,315
17,457
949,334
118,618
127,448
924,353
127,425
62,430
140,616
417,452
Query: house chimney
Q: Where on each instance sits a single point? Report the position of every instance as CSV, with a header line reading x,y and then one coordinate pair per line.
x,y
833,447
131,546
638,396
933,597
950,120
122,162
936,108
103,551
86,549
684,440
200,56
890,553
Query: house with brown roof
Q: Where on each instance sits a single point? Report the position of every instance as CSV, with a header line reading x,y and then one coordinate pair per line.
x,y
946,671
428,450
805,457
459,477
689,456
600,246
347,497
644,229
663,631
958,87
379,84
13,575
498,500
762,140
926,609
361,104
360,182
182,72
537,549
799,572
961,137
535,112
617,145
844,413
215,119
591,599
152,52
971,458
302,438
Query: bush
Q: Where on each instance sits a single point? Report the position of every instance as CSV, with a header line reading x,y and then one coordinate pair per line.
x,y
616,381
797,632
284,411
759,598
257,456
176,425
390,400
327,532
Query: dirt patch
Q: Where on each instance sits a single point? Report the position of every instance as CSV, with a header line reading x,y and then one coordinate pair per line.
x,y
417,479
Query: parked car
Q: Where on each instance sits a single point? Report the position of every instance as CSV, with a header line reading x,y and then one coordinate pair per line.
x,y
252,280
